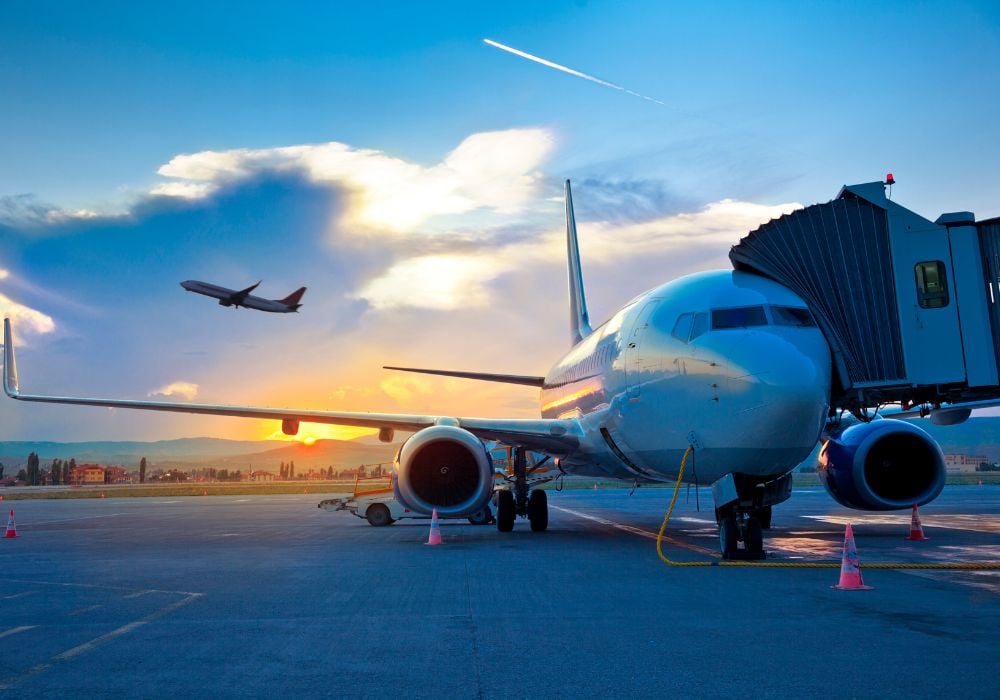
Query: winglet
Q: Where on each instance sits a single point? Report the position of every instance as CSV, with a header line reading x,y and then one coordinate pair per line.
x,y
578,316
9,366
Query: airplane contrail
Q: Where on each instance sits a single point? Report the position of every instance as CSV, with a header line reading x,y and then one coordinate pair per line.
x,y
566,69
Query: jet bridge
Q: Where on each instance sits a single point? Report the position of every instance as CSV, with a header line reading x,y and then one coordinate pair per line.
x,y
910,307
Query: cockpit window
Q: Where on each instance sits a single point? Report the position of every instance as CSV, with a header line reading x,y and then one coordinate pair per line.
x,y
792,316
739,317
700,325
682,329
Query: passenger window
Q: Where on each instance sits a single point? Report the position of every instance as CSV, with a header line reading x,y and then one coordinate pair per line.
x,y
932,284
700,325
682,329
792,316
740,317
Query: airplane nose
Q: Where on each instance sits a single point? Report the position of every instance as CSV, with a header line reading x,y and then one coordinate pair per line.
x,y
785,385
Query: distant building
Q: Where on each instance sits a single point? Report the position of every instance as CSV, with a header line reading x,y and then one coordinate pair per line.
x,y
117,475
963,464
86,474
261,476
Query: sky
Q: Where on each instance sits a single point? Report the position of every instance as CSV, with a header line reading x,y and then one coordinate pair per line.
x,y
410,175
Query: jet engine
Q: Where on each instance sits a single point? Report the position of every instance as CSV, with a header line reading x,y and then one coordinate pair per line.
x,y
443,467
882,465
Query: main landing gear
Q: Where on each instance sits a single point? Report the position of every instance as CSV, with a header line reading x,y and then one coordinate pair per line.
x,y
512,503
743,510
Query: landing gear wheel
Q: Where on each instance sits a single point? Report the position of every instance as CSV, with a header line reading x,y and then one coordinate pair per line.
x,y
538,511
763,516
505,511
729,534
753,538
482,516
378,515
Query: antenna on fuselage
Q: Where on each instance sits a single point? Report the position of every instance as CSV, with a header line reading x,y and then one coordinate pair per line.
x,y
578,317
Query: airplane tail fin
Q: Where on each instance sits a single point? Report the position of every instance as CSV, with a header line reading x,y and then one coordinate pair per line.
x,y
578,316
294,298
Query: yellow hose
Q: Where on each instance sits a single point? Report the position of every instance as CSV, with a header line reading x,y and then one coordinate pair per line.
x,y
970,566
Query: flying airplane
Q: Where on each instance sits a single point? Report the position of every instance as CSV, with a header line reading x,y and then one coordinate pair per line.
x,y
243,297
728,363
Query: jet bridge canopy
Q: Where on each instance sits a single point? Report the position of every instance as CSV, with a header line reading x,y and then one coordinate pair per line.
x,y
903,301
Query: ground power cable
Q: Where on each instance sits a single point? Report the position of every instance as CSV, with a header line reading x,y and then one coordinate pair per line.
x,y
965,566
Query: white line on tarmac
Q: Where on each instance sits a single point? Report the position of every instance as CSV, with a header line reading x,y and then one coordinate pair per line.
x,y
636,531
163,503
81,611
124,629
139,594
18,595
242,500
15,630
84,517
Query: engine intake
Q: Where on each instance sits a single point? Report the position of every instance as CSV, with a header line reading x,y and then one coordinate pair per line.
x,y
443,467
882,465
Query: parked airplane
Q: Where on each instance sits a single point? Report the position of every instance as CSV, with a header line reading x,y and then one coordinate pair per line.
x,y
243,297
729,363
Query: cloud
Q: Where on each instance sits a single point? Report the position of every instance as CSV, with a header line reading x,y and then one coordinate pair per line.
x,y
464,280
25,319
404,389
186,390
28,210
433,282
493,170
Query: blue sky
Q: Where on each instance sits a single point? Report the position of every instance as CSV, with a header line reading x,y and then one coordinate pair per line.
x,y
409,175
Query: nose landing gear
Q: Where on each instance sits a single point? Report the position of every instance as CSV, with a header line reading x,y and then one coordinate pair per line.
x,y
743,510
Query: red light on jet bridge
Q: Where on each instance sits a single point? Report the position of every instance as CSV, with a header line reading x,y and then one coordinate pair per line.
x,y
889,179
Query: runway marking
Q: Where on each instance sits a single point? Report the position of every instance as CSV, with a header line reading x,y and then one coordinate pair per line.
x,y
17,595
15,630
637,531
94,585
973,523
242,500
81,611
7,683
69,520
125,629
230,534
163,503
139,594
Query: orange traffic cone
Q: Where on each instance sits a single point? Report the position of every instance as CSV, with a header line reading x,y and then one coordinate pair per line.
x,y
204,493
595,487
916,529
850,567
435,536
11,528
102,494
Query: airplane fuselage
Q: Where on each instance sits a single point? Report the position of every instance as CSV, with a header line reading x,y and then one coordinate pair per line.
x,y
728,362
232,297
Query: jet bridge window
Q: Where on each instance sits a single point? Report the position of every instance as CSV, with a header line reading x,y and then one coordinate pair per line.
x,y
932,284
739,317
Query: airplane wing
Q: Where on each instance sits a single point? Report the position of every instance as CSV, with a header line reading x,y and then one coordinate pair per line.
x,y
243,292
483,376
551,436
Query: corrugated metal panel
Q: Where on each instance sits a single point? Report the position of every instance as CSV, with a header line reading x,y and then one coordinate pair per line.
x,y
989,244
836,257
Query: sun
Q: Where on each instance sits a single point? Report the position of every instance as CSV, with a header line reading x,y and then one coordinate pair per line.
x,y
309,440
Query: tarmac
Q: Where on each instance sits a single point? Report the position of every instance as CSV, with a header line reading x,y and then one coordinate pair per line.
x,y
255,596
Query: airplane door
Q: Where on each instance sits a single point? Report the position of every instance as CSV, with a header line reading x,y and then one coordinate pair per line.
x,y
633,351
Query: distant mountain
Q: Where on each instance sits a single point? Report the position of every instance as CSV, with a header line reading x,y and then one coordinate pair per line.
x,y
207,452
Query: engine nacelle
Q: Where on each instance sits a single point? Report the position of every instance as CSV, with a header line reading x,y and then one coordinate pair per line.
x,y
882,465
443,467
